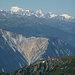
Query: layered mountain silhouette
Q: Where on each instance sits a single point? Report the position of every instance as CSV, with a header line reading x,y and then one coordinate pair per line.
x,y
27,36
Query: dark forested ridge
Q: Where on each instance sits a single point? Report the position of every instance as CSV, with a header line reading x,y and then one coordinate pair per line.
x,y
50,66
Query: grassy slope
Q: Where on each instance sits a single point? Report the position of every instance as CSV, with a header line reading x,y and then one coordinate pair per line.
x,y
51,66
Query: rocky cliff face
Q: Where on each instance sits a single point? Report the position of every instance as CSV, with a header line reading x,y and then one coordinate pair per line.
x,y
31,48
17,49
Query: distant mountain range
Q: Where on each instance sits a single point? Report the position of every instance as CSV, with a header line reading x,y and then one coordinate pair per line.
x,y
63,22
38,13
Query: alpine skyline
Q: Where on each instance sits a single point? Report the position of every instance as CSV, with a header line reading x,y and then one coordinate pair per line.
x,y
57,7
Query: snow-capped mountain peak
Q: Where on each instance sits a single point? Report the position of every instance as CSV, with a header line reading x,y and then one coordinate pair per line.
x,y
16,9
39,13
66,16
50,15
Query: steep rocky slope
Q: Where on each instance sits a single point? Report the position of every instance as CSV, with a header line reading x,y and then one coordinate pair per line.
x,y
9,60
31,48
25,51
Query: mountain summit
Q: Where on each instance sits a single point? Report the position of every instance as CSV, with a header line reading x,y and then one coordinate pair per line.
x,y
37,13
66,16
16,9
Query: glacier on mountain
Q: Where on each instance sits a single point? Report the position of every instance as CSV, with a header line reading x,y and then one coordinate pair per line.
x,y
66,16
16,9
38,13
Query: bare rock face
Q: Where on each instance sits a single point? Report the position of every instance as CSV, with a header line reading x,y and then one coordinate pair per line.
x,y
16,50
31,48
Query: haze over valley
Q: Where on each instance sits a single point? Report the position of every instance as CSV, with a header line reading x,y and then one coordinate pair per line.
x,y
27,36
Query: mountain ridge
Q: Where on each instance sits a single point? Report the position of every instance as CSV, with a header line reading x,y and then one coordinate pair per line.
x,y
34,27
50,66
37,13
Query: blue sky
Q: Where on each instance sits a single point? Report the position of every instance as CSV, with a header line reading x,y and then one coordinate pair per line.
x,y
58,7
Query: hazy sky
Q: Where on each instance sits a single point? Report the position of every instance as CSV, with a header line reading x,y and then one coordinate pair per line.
x,y
58,7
